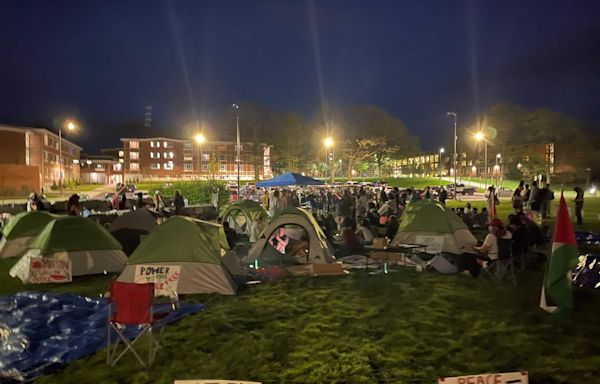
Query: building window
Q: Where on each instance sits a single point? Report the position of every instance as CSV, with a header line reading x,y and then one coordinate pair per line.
x,y
221,157
50,157
168,166
205,157
117,167
151,144
134,167
187,167
221,148
155,155
188,158
100,166
222,167
121,153
168,155
155,166
134,144
134,155
167,144
187,145
205,167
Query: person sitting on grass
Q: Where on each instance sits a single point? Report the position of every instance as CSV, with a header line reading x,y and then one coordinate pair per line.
x,y
363,232
348,238
392,227
230,234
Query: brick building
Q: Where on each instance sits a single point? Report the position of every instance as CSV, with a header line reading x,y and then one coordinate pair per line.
x,y
36,152
166,158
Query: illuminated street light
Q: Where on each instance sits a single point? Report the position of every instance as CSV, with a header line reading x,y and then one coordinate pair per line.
x,y
440,163
200,139
328,141
71,126
479,136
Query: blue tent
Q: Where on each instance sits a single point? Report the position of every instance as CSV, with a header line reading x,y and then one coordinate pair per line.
x,y
288,179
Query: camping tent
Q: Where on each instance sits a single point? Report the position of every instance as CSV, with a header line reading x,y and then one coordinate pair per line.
x,y
242,213
21,230
87,244
198,247
129,228
289,178
429,223
320,250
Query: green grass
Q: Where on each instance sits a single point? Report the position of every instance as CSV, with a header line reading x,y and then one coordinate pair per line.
x,y
404,327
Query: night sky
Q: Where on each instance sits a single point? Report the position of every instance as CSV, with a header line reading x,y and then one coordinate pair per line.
x,y
102,62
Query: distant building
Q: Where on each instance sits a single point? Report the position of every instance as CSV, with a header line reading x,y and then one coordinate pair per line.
x,y
100,169
167,158
29,158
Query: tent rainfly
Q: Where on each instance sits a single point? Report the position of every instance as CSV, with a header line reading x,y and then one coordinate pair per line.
x,y
242,213
320,250
430,223
198,247
129,228
21,230
91,249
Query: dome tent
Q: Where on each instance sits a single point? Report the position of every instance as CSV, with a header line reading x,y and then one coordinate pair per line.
x,y
242,213
426,220
198,247
21,230
130,227
320,250
91,249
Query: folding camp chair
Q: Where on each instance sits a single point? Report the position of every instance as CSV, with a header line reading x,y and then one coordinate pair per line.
x,y
503,266
133,306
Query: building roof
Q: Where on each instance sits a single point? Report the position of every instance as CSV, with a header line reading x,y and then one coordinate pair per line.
x,y
18,128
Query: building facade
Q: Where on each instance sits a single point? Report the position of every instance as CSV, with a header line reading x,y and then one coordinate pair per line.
x,y
100,169
161,158
39,147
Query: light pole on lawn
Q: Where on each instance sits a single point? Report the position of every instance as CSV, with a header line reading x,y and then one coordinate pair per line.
x,y
328,142
238,159
497,168
440,164
71,126
479,136
200,139
454,157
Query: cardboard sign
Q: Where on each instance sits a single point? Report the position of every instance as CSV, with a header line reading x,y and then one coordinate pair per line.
x,y
434,244
215,382
164,277
45,270
488,378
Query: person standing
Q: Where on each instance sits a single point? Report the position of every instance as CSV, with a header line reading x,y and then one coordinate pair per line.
x,y
579,205
492,201
214,198
159,205
178,202
274,204
549,198
443,195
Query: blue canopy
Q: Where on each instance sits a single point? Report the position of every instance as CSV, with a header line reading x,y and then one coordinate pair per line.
x,y
289,178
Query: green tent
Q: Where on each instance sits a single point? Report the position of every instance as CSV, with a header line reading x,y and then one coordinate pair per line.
x,y
21,230
198,247
242,213
87,244
429,223
319,249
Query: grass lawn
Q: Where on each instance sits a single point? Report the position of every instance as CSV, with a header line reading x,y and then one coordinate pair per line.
x,y
403,327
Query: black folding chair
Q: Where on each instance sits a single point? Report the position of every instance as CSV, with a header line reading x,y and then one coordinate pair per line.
x,y
503,266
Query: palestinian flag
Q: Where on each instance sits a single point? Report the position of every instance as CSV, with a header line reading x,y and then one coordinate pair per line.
x,y
556,291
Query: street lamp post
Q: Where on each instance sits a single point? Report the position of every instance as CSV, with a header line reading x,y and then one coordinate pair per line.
x,y
440,164
70,126
453,114
328,141
199,140
497,168
238,159
479,136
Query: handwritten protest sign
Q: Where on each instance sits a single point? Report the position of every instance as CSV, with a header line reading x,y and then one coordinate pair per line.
x,y
164,277
488,378
434,244
45,270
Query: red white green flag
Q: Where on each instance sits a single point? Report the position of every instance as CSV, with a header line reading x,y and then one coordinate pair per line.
x,y
557,288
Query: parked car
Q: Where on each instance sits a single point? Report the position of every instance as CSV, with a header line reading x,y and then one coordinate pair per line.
x,y
461,189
